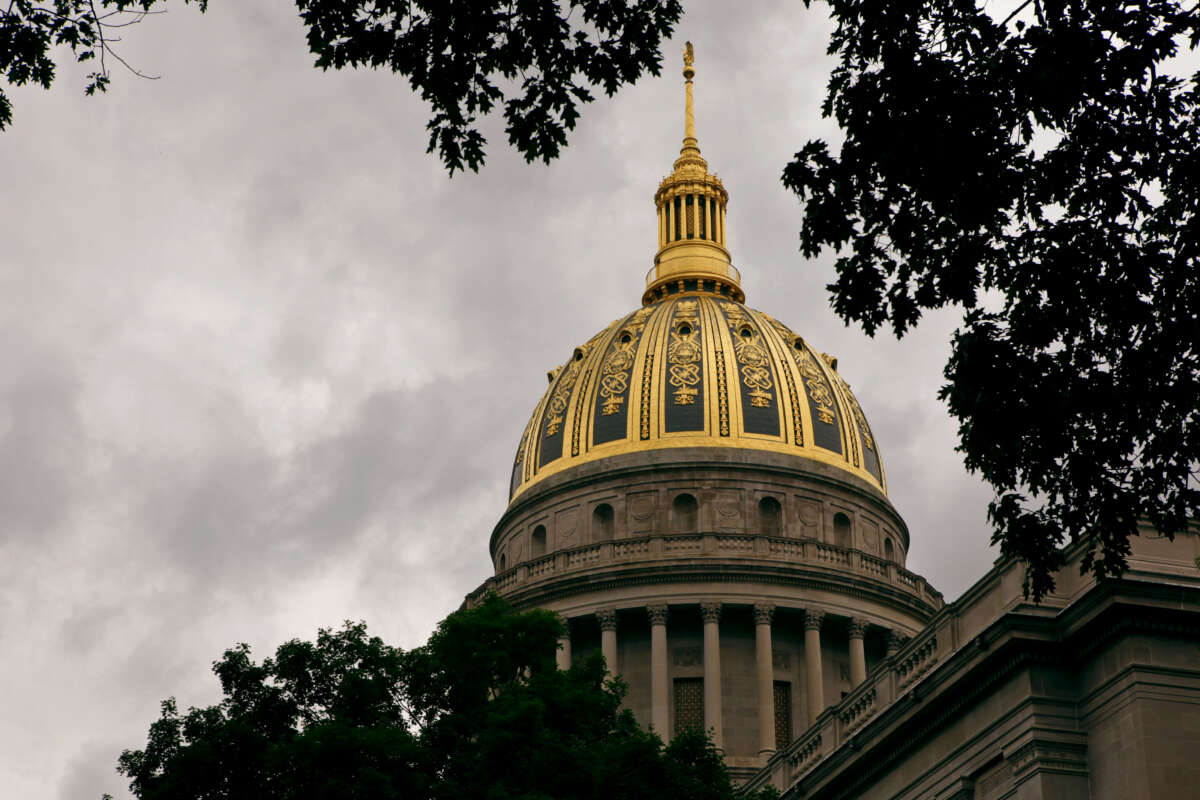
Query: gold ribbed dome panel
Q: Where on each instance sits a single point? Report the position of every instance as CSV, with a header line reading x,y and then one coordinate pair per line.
x,y
696,370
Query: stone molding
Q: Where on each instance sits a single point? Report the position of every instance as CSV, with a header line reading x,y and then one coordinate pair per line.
x,y
607,617
858,628
658,614
710,612
763,612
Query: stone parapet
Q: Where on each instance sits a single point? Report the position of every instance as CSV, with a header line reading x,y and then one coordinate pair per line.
x,y
676,554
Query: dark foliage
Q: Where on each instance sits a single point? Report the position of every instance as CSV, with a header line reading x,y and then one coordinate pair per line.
x,y
538,59
30,32
1042,172
479,711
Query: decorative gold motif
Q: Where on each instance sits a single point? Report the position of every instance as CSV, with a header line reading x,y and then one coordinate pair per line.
x,y
818,389
689,55
797,425
618,364
814,380
722,395
562,392
683,353
857,412
647,372
752,357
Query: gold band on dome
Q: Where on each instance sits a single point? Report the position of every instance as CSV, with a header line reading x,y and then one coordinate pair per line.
x,y
691,203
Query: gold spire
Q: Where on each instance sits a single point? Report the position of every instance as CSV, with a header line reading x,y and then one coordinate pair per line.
x,y
691,220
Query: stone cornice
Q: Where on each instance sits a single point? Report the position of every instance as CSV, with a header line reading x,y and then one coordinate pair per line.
x,y
619,576
635,465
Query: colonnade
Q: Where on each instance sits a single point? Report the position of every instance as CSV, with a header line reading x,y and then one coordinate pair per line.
x,y
710,614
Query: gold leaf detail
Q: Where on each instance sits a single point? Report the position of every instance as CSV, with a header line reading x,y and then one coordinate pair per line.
x,y
618,364
751,355
722,394
683,353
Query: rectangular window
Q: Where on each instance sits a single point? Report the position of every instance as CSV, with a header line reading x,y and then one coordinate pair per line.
x,y
691,217
702,220
689,704
783,714
678,214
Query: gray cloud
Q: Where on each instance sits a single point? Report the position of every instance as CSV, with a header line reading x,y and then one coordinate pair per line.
x,y
263,367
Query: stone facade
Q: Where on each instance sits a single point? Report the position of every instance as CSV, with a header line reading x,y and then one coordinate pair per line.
x,y
1092,695
782,557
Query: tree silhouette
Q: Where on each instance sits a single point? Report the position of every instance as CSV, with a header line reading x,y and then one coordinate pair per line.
x,y
481,710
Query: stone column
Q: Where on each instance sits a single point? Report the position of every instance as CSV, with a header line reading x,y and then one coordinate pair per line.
x,y
894,642
660,686
564,646
711,614
607,618
858,656
766,677
812,663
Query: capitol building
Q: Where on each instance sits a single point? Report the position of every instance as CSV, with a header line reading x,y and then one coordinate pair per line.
x,y
700,497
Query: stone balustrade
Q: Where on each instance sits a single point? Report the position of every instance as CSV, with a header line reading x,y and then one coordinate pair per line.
x,y
728,548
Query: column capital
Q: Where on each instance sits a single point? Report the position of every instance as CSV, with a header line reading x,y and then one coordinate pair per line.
x,y
658,614
813,617
763,612
858,628
895,641
710,612
607,617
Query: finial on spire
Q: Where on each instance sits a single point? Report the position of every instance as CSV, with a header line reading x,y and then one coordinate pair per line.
x,y
689,113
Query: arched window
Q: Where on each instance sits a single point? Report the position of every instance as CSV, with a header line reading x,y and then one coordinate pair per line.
x,y
537,542
602,523
685,514
841,530
503,562
889,552
770,516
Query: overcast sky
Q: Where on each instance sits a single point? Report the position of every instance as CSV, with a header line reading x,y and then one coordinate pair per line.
x,y
263,366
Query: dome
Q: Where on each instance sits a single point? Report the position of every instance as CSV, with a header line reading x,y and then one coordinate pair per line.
x,y
696,369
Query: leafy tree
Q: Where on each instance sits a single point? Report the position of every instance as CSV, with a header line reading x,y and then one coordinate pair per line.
x,y
1042,172
479,711
537,59
31,29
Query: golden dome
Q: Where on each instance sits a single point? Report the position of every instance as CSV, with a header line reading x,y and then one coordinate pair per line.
x,y
694,367
696,370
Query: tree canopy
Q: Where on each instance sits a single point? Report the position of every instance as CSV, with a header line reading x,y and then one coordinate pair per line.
x,y
481,710
1040,171
537,60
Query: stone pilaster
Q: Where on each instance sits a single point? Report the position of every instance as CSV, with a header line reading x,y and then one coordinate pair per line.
x,y
812,663
607,617
765,669
711,614
660,686
858,656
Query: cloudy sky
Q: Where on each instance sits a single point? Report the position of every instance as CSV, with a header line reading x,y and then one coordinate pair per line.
x,y
263,366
